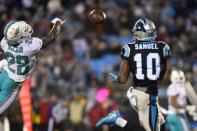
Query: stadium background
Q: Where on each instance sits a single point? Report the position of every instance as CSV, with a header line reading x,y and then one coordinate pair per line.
x,y
76,65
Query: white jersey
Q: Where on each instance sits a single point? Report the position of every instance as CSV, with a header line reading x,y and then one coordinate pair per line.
x,y
22,58
176,89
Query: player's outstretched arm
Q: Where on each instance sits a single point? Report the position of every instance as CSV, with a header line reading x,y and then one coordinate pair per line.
x,y
54,32
124,72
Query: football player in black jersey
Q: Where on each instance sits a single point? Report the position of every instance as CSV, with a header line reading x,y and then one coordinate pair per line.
x,y
146,60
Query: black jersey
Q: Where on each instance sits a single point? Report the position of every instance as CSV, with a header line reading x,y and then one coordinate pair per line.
x,y
148,61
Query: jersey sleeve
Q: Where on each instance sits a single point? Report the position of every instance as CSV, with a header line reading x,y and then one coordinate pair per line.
x,y
172,91
125,52
36,44
164,51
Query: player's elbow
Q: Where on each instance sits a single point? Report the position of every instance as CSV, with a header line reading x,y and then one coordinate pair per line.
x,y
123,80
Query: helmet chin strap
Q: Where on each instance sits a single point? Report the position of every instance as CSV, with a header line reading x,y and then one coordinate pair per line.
x,y
15,44
144,39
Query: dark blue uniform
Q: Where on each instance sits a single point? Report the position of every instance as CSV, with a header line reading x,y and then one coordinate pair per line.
x,y
148,61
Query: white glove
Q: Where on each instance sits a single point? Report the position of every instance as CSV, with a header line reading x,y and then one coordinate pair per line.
x,y
191,109
57,19
194,117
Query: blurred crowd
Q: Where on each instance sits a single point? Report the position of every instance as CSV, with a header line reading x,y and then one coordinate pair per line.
x,y
77,64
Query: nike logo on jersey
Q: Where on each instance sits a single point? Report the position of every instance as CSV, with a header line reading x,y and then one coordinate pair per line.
x,y
146,46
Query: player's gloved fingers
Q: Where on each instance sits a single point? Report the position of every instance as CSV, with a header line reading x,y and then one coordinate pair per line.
x,y
191,108
112,77
56,20
63,21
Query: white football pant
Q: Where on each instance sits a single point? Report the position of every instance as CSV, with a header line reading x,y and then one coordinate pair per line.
x,y
146,105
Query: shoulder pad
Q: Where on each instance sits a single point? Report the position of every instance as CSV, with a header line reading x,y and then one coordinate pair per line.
x,y
131,43
126,51
166,50
36,44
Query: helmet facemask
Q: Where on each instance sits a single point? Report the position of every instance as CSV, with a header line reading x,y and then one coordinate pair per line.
x,y
178,76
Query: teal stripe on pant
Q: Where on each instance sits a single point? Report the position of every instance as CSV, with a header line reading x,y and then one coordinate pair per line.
x,y
153,113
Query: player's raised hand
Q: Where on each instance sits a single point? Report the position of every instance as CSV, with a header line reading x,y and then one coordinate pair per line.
x,y
57,20
191,108
54,32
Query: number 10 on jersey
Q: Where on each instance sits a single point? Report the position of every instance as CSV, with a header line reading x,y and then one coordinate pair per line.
x,y
152,66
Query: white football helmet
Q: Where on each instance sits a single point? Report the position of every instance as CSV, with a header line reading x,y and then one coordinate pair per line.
x,y
177,76
144,29
182,77
17,31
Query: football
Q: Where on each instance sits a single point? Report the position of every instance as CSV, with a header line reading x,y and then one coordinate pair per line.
x,y
97,16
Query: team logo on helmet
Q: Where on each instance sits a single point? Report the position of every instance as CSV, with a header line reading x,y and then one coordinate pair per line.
x,y
144,29
17,31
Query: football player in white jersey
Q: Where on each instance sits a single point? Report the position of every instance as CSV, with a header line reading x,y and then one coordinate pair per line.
x,y
177,99
21,51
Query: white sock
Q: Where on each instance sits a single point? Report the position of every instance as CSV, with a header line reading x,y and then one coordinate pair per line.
x,y
121,122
